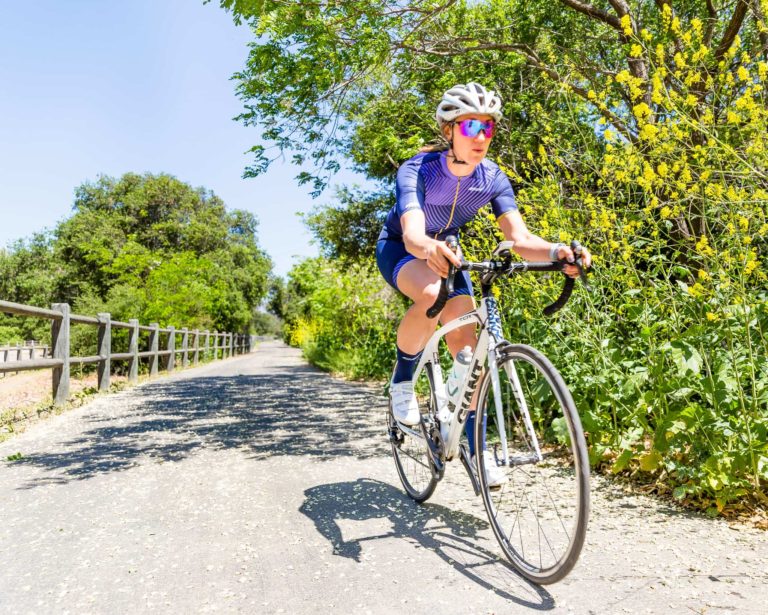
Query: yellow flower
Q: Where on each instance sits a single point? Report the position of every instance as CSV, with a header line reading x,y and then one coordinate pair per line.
x,y
665,212
662,169
742,73
712,317
703,247
696,25
649,131
626,25
636,51
641,111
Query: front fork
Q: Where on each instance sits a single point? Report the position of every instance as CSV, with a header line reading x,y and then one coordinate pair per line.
x,y
517,391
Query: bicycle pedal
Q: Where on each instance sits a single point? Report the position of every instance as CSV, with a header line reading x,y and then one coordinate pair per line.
x,y
521,460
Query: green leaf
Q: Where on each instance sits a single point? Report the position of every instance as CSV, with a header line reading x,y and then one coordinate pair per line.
x,y
650,461
560,430
622,461
686,358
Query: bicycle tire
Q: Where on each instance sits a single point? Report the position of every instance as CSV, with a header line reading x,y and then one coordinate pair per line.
x,y
539,516
413,459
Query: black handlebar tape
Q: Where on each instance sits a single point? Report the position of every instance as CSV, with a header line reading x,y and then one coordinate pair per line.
x,y
446,288
446,285
562,299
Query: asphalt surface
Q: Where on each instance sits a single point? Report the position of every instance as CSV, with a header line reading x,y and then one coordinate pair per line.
x,y
261,485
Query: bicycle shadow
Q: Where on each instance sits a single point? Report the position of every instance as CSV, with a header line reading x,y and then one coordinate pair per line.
x,y
450,534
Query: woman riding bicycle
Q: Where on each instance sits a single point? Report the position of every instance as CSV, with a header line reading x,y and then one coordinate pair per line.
x,y
437,193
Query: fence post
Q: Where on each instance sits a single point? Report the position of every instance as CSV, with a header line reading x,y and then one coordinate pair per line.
x,y
60,343
231,344
215,345
196,356
185,347
105,350
133,348
172,348
154,347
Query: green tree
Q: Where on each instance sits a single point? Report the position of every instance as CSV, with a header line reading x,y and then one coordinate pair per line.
x,y
349,229
148,247
637,126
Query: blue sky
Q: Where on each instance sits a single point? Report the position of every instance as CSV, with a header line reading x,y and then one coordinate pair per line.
x,y
90,87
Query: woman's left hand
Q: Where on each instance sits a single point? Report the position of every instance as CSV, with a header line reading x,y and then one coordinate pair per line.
x,y
565,253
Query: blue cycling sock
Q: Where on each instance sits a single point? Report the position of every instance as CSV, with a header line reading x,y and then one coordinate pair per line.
x,y
469,428
405,365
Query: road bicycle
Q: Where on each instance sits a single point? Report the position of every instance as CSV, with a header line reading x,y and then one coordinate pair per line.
x,y
539,515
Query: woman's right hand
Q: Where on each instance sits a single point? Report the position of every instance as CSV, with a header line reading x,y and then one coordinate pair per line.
x,y
440,256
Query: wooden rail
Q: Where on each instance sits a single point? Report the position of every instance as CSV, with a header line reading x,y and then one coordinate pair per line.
x,y
201,345
17,352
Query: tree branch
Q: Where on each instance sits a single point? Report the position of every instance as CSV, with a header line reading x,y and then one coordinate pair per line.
x,y
534,61
594,13
758,11
737,19
711,21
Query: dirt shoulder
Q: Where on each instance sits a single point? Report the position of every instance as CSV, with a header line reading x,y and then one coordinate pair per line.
x,y
26,397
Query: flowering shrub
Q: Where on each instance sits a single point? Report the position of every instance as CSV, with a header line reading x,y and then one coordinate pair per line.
x,y
667,356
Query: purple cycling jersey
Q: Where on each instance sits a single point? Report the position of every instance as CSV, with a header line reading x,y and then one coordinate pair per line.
x,y
425,182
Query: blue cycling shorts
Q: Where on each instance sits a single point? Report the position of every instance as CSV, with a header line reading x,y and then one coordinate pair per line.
x,y
391,255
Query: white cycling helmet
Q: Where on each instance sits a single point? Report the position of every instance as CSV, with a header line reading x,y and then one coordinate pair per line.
x,y
464,99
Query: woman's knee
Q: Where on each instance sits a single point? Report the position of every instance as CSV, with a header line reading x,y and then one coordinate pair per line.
x,y
428,294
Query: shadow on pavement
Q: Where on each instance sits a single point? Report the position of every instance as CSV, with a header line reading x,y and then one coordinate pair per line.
x,y
450,534
297,411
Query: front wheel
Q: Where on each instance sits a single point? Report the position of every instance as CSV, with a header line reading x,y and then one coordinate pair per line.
x,y
539,515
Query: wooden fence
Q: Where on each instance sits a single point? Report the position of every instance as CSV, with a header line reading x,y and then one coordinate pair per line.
x,y
18,352
193,346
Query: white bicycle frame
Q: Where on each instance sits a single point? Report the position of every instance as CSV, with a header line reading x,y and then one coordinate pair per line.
x,y
486,348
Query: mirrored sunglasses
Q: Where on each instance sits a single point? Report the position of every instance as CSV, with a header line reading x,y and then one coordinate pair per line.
x,y
472,128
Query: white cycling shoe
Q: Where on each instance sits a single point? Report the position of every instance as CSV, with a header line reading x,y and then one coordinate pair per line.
x,y
405,408
494,475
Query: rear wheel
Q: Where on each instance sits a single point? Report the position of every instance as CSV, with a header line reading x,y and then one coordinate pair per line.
x,y
539,516
410,450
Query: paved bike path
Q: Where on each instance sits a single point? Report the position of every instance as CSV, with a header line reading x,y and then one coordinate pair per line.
x,y
261,485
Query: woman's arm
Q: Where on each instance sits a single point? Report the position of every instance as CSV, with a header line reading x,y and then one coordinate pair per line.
x,y
416,241
533,248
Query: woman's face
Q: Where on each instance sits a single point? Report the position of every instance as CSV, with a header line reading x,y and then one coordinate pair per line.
x,y
469,149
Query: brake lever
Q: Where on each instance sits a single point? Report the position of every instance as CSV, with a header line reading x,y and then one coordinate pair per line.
x,y
578,251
